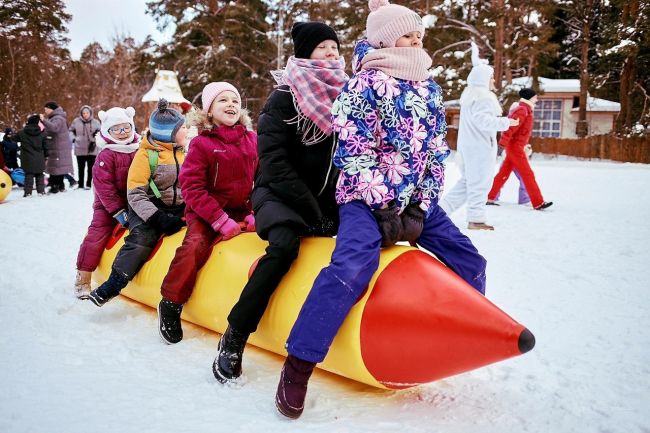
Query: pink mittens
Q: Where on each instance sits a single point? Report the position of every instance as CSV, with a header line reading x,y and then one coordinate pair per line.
x,y
250,223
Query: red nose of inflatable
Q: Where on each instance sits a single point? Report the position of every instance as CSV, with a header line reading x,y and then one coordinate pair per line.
x,y
423,323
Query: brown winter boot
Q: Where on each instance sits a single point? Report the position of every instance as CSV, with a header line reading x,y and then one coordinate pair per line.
x,y
479,226
292,389
82,284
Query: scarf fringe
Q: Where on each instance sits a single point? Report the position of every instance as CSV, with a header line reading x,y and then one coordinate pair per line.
x,y
311,133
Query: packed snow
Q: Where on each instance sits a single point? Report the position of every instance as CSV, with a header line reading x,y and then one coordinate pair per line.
x,y
576,275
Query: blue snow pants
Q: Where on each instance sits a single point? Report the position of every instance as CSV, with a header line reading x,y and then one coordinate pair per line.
x,y
355,259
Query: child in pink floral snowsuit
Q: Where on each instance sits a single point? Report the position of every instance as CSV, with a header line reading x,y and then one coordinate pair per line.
x,y
391,124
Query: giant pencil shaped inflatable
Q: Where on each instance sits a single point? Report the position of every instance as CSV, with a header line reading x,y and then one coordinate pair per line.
x,y
415,312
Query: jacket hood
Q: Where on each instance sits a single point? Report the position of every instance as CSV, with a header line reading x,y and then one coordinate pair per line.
x,y
361,50
86,107
481,71
57,112
33,130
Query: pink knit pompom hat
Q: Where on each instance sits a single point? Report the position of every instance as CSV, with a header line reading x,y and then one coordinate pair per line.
x,y
387,23
212,90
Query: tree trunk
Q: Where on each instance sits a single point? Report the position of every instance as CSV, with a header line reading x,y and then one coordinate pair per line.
x,y
581,126
628,72
498,44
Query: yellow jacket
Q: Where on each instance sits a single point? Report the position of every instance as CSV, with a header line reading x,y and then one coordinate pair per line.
x,y
140,196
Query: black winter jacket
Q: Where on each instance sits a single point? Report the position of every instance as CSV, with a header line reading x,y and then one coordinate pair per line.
x,y
32,148
295,183
10,151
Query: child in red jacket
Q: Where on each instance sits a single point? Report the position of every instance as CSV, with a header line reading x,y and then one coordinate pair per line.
x,y
514,140
216,181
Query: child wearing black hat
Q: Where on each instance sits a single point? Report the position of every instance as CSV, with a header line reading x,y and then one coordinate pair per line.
x,y
514,140
294,189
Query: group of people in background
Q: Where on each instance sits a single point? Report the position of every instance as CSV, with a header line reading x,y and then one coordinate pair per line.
x,y
359,157
45,145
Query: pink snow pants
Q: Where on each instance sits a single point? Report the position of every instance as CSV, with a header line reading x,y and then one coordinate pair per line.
x,y
93,244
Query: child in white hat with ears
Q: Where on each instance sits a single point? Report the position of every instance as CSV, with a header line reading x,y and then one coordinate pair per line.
x,y
118,142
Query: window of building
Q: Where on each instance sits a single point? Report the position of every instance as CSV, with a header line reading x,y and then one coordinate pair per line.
x,y
547,118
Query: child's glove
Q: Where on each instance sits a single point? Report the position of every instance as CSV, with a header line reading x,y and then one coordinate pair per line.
x,y
166,223
250,223
122,217
230,229
390,225
412,222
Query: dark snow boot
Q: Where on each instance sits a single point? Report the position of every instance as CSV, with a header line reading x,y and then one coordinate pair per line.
x,y
110,289
169,321
544,205
227,364
292,389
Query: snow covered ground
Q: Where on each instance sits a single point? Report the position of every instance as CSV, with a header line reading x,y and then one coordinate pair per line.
x,y
576,275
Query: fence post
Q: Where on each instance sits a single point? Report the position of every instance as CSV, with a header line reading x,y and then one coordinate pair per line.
x,y
601,146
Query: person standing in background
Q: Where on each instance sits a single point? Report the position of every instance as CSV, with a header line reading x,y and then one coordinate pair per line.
x,y
83,130
514,140
33,153
59,161
480,120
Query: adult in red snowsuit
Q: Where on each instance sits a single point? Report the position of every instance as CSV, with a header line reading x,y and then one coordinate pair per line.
x,y
514,140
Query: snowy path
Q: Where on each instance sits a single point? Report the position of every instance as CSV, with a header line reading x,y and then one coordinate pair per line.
x,y
576,275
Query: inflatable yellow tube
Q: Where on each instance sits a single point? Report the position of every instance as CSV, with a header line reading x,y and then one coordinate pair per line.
x,y
5,184
429,307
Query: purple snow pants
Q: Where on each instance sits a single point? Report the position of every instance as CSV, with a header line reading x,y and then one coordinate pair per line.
x,y
523,194
93,244
355,259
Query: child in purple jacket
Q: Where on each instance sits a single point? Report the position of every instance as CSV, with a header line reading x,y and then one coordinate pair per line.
x,y
118,141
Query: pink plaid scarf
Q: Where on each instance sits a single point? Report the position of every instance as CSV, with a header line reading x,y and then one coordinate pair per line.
x,y
314,85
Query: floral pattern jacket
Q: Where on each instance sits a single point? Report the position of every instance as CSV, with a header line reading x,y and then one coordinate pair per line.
x,y
392,143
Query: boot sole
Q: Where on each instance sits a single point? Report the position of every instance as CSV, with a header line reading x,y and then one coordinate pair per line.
x,y
215,368
160,331
283,412
95,301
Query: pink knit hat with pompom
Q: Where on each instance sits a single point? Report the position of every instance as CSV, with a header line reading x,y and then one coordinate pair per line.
x,y
212,90
387,23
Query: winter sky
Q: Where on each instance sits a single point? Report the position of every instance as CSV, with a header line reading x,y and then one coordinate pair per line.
x,y
101,21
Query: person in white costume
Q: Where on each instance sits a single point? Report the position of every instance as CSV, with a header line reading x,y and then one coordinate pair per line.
x,y
480,119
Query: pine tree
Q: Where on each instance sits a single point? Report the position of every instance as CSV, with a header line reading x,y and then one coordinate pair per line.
x,y
32,39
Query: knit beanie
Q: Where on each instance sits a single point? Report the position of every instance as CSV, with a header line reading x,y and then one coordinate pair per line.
x,y
8,131
165,122
307,36
212,90
481,71
51,105
388,22
527,93
33,119
116,116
